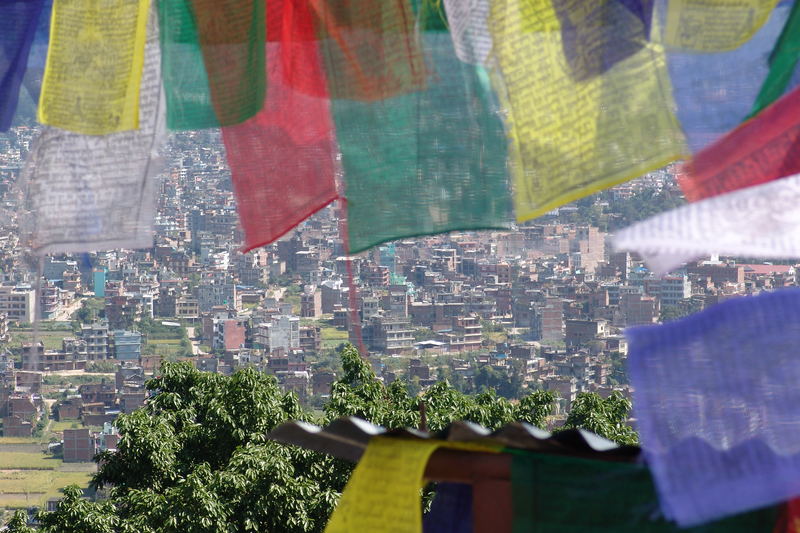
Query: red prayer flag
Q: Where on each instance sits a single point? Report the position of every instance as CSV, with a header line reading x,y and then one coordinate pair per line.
x,y
762,149
282,160
789,518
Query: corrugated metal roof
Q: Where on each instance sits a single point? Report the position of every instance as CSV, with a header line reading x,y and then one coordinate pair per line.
x,y
347,438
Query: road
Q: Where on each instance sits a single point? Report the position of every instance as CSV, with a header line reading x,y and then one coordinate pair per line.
x,y
65,314
195,343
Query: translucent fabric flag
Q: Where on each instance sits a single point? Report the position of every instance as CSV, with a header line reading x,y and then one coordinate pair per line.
x,y
714,25
761,221
715,91
371,49
231,35
451,510
186,86
572,137
557,494
598,35
718,407
282,160
383,494
34,74
469,28
18,21
86,193
782,62
94,66
426,162
595,36
763,149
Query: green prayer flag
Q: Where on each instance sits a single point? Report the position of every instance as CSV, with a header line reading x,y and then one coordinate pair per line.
x,y
560,494
425,162
782,62
189,105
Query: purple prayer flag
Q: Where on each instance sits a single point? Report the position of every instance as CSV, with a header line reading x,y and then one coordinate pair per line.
x,y
598,35
18,21
717,401
451,510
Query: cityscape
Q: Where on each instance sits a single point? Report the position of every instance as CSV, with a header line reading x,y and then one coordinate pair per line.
x,y
538,307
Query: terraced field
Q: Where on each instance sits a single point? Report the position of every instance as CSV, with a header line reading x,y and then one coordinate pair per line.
x,y
29,477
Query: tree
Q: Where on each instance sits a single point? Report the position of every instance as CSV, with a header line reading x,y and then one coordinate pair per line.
x,y
91,310
74,514
19,523
606,417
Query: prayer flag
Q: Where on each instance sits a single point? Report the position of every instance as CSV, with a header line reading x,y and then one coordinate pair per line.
x,y
96,192
282,160
573,136
189,105
714,25
426,162
232,35
18,22
451,510
94,66
371,49
782,62
383,493
716,402
761,221
559,494
760,150
714,91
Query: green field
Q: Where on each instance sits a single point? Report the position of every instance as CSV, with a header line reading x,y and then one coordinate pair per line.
x,y
26,461
58,427
31,478
166,348
51,339
18,440
27,488
332,337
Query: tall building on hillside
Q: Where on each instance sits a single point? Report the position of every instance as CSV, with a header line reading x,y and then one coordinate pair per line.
x,y
127,345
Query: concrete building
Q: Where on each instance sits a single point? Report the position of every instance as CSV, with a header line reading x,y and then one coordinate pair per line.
x,y
17,426
99,282
229,334
311,302
216,289
96,338
18,302
580,332
79,446
674,290
548,320
281,332
638,309
127,345
388,334
463,333
310,338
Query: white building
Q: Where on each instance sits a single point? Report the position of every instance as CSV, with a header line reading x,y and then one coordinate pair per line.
x,y
281,332
18,303
674,289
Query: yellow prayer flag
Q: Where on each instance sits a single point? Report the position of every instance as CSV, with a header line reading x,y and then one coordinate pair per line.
x,y
714,25
583,122
94,65
383,494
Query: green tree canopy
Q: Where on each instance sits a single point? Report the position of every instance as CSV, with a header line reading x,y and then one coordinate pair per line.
x,y
606,417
